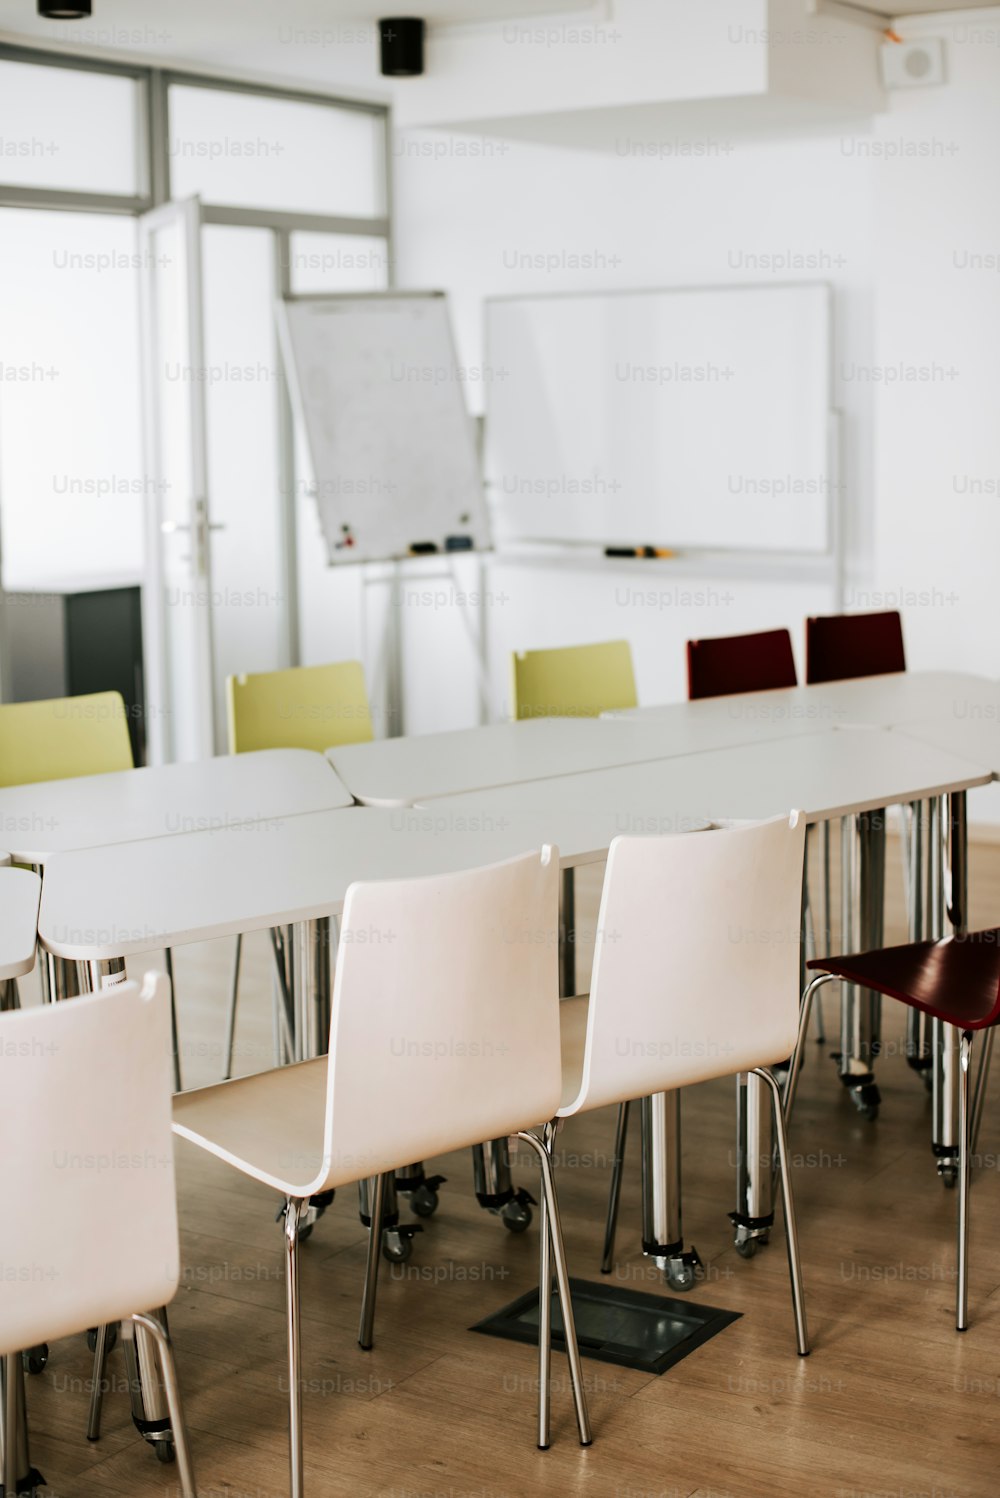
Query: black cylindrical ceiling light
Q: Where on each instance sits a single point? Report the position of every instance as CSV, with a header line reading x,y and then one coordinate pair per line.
x,y
59,10
402,42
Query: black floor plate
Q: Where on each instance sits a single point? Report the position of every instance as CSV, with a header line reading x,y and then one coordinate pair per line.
x,y
630,1328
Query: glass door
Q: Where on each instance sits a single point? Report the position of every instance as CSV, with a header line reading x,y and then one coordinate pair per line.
x,y
177,611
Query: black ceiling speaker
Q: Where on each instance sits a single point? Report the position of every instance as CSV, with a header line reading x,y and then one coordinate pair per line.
x,y
402,40
59,10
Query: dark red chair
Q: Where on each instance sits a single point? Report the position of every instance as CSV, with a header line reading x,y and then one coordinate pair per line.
x,y
839,646
740,663
956,980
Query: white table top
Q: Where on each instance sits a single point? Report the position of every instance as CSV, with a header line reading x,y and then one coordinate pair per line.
x,y
971,734
401,772
882,701
54,816
116,901
823,775
19,892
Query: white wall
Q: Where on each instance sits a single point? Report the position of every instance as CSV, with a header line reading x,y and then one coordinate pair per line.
x,y
887,228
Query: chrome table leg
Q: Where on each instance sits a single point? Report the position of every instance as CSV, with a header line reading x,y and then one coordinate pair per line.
x,y
949,852
662,1238
754,1215
862,902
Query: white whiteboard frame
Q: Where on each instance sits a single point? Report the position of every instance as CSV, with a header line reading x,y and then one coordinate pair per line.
x,y
826,565
287,352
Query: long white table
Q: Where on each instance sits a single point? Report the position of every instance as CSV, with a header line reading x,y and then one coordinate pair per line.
x,y
824,775
54,816
880,701
976,734
401,772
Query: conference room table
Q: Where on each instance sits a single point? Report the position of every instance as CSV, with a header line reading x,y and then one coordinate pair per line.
x,y
102,905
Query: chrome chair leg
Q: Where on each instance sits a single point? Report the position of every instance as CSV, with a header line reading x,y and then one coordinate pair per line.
x,y
12,1370
795,1065
173,1020
788,1211
550,1220
982,1082
293,1216
367,1327
234,988
964,1123
614,1196
97,1390
171,1387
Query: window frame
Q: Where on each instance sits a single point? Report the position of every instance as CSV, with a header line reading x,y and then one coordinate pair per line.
x,y
153,156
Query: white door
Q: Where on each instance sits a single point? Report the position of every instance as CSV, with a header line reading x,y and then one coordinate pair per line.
x,y
177,607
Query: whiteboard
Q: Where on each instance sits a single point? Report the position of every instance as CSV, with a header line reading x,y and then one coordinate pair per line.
x,y
382,401
691,419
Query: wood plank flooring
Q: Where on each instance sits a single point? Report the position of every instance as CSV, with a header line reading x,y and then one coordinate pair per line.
x,y
891,1404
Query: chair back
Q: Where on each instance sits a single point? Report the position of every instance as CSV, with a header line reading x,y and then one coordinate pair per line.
x,y
445,1021
839,646
740,663
88,1234
304,707
696,963
62,737
575,681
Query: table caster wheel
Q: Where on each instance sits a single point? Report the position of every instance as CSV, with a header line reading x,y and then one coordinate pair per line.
x,y
680,1276
516,1216
948,1171
397,1247
35,1359
164,1452
746,1247
866,1099
424,1201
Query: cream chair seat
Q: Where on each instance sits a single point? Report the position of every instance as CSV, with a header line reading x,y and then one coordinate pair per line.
x,y
443,1037
106,1237
695,976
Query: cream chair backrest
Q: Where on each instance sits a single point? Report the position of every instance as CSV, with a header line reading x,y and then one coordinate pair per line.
x,y
696,962
88,1233
445,1024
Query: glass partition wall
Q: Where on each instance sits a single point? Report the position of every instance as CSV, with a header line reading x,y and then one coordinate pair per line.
x,y
145,426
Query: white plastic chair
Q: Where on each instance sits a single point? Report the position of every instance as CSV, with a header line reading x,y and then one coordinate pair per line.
x,y
695,976
444,1032
92,1242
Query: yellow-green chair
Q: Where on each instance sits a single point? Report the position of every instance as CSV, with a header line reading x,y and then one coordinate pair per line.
x,y
303,707
577,681
61,738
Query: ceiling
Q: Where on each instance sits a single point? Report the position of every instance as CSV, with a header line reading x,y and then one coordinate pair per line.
x,y
329,42
916,7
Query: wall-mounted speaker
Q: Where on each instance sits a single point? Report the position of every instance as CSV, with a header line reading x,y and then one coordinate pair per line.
x,y
402,42
913,64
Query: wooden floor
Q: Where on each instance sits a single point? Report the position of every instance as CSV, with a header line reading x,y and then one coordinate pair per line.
x,y
891,1404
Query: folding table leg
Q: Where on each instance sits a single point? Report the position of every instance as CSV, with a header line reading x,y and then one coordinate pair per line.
x,y
949,851
18,1475
662,1238
862,900
920,920
754,1215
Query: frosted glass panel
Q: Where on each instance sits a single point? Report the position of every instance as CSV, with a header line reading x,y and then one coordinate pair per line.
x,y
242,392
67,129
338,262
259,152
72,487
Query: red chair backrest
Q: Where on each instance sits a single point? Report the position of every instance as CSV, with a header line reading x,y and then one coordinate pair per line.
x,y
845,645
740,663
